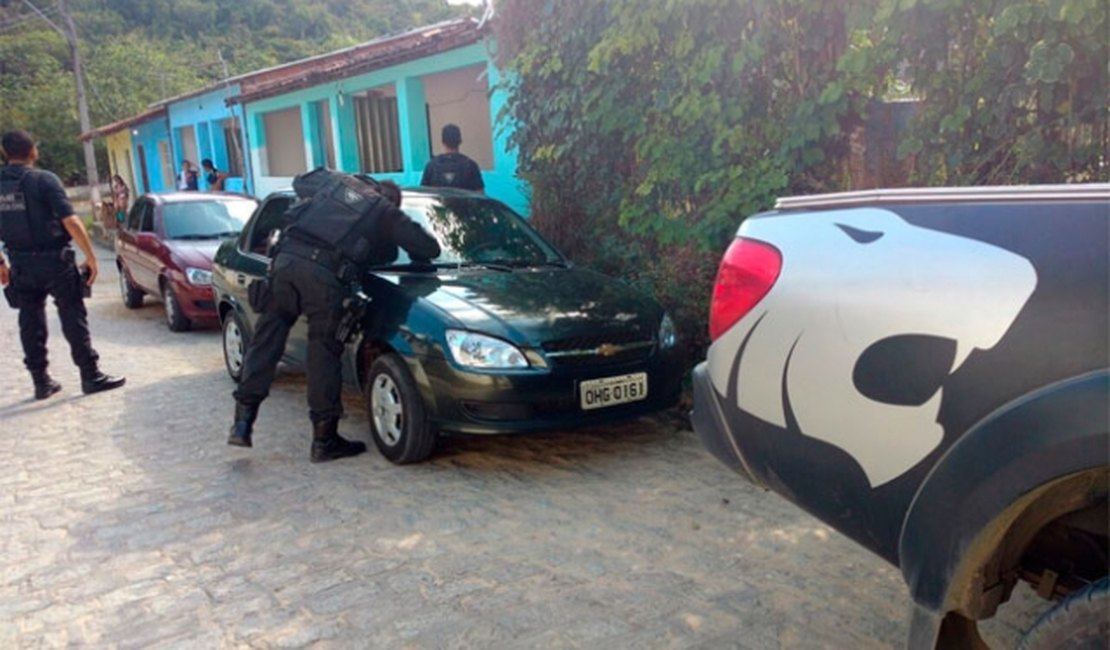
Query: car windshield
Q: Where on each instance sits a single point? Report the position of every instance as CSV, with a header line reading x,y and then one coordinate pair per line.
x,y
479,231
206,219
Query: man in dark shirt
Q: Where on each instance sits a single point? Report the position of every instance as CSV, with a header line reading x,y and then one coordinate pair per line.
x,y
37,225
306,280
452,169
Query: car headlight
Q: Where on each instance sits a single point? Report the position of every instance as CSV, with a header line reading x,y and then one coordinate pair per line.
x,y
481,351
198,276
667,334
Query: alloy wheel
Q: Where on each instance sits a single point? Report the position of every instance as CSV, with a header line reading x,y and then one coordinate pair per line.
x,y
387,409
233,347
170,306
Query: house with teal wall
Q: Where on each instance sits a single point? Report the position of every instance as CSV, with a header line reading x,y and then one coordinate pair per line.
x,y
378,108
204,126
139,150
375,108
152,154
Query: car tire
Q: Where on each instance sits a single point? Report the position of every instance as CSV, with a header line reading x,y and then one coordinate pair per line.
x,y
1075,623
235,346
398,423
176,320
132,297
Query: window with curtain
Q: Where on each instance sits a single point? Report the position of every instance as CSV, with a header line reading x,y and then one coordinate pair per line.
x,y
379,135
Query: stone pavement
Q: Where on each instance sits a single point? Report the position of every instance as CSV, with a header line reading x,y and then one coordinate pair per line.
x,y
126,522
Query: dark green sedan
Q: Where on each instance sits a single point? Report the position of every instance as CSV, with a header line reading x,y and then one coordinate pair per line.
x,y
499,334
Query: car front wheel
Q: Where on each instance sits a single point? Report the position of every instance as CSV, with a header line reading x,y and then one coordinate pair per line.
x,y
396,412
176,320
235,346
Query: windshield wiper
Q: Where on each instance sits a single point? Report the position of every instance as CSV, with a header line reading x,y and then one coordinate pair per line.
x,y
504,266
413,266
526,264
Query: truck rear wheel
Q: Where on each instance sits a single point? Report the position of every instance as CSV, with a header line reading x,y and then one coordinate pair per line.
x,y
1078,622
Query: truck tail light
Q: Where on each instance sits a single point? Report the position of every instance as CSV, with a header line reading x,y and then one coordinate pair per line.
x,y
748,271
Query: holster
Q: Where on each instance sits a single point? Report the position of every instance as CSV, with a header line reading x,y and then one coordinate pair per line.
x,y
259,295
11,296
354,312
83,281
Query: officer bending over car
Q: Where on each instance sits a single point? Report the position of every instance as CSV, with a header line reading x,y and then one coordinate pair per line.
x,y
340,225
37,225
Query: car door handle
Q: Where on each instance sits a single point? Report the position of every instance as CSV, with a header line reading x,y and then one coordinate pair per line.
x,y
241,279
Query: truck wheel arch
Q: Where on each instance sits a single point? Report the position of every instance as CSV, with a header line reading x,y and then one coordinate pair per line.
x,y
1031,461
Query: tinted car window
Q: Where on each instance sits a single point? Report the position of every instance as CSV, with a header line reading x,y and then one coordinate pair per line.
x,y
478,230
205,219
270,219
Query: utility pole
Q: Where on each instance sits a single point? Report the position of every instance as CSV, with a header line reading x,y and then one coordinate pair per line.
x,y
70,34
82,103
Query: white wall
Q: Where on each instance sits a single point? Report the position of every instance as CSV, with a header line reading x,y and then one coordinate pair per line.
x,y
285,154
461,97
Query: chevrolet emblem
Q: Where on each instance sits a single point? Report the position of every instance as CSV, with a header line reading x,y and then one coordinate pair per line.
x,y
607,349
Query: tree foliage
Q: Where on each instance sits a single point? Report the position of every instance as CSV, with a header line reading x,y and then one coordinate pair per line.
x,y
1013,91
650,128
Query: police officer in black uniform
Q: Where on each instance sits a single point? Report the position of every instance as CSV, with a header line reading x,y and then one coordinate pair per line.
x,y
309,277
37,224
451,168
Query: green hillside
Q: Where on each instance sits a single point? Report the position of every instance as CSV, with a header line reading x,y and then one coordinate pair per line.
x,y
137,52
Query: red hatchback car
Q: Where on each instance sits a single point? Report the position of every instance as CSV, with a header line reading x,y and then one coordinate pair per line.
x,y
165,249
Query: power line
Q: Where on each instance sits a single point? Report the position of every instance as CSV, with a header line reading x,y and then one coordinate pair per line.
x,y
12,24
44,17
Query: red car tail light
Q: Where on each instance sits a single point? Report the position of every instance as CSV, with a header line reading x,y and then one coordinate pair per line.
x,y
748,271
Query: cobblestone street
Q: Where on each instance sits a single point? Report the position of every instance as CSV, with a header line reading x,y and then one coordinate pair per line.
x,y
128,522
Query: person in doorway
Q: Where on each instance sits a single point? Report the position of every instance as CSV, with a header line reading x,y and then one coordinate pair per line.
x,y
309,276
121,197
212,176
187,178
37,225
451,168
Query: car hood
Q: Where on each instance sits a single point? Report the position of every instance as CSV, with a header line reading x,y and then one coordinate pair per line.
x,y
197,254
535,305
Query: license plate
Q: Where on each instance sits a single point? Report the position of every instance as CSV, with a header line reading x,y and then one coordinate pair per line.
x,y
609,391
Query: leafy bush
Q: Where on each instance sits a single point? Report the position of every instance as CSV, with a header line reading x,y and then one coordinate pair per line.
x,y
649,129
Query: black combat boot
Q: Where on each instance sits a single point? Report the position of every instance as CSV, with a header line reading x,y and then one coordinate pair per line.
x,y
327,444
44,385
96,382
241,429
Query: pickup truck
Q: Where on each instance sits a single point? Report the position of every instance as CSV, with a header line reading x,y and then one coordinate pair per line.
x,y
927,371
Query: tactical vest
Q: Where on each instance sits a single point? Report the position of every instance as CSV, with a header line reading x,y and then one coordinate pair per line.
x,y
448,171
339,211
16,227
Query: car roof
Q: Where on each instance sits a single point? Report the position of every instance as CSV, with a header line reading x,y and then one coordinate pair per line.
x,y
163,198
407,192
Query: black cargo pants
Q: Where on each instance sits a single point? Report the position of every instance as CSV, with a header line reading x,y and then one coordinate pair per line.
x,y
299,286
34,276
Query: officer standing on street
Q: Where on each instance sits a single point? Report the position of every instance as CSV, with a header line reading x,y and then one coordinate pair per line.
x,y
309,277
37,224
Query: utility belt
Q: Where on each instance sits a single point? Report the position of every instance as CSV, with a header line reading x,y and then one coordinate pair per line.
x,y
331,260
29,257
